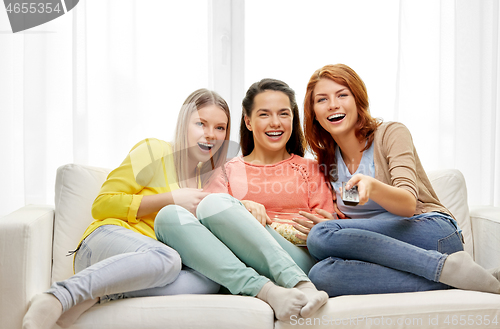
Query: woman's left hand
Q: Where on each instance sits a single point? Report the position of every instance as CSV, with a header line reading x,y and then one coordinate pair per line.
x,y
305,226
365,186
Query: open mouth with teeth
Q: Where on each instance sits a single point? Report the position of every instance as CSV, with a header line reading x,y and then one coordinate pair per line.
x,y
274,134
206,146
336,117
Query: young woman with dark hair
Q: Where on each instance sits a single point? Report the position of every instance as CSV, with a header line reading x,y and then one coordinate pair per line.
x,y
296,143
225,242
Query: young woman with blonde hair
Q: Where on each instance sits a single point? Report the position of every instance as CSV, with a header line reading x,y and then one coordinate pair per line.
x,y
119,256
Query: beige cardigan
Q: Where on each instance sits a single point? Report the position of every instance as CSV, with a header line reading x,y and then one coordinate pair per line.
x,y
397,164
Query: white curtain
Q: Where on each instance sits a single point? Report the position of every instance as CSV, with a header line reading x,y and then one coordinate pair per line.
x,y
433,65
448,89
35,105
87,86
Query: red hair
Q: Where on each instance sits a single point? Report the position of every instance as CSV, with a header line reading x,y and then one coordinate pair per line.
x,y
319,141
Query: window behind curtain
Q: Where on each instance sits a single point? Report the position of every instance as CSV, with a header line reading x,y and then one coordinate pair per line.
x,y
289,40
143,59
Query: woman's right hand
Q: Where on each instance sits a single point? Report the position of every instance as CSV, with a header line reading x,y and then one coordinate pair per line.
x,y
258,211
188,198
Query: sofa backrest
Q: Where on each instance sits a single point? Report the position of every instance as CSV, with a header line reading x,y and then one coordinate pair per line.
x,y
451,189
78,185
76,188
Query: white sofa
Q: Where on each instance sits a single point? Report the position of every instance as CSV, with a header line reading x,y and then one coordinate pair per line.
x,y
35,239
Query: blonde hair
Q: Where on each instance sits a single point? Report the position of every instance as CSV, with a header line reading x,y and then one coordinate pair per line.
x,y
197,100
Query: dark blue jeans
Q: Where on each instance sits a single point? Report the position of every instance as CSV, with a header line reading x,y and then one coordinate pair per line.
x,y
374,256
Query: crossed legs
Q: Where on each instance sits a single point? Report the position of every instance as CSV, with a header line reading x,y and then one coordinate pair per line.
x,y
230,247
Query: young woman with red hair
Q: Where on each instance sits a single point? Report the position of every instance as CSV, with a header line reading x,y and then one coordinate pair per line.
x,y
399,238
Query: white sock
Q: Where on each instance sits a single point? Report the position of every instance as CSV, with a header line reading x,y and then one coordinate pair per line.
x,y
70,316
43,312
316,298
284,301
460,271
495,272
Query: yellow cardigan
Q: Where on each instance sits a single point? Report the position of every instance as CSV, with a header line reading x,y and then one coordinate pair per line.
x,y
148,169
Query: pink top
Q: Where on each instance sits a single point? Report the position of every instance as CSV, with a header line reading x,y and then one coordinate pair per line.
x,y
283,188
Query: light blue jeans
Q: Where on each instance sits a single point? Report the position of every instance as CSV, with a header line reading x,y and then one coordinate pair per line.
x,y
373,256
228,245
114,262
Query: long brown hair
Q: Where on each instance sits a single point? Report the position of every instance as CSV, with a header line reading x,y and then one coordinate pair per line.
x,y
197,100
320,141
296,144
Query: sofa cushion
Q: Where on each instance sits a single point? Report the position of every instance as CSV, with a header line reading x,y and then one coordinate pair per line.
x,y
180,311
450,187
76,188
437,309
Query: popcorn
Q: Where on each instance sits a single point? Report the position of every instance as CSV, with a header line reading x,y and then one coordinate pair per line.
x,y
288,232
282,222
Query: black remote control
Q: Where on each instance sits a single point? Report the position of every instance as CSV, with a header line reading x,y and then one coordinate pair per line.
x,y
350,197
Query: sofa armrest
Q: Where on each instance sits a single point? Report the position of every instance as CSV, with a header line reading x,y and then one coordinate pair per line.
x,y
25,260
486,235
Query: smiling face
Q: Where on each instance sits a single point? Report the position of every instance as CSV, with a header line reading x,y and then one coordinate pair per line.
x,y
271,122
206,132
335,108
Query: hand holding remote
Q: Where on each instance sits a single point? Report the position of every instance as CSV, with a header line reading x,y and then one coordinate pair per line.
x,y
350,197
362,187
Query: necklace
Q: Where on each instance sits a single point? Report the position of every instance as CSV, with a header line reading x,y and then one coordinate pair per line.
x,y
198,181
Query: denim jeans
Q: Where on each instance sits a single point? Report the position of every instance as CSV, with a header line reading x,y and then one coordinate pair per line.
x,y
114,262
371,256
228,245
